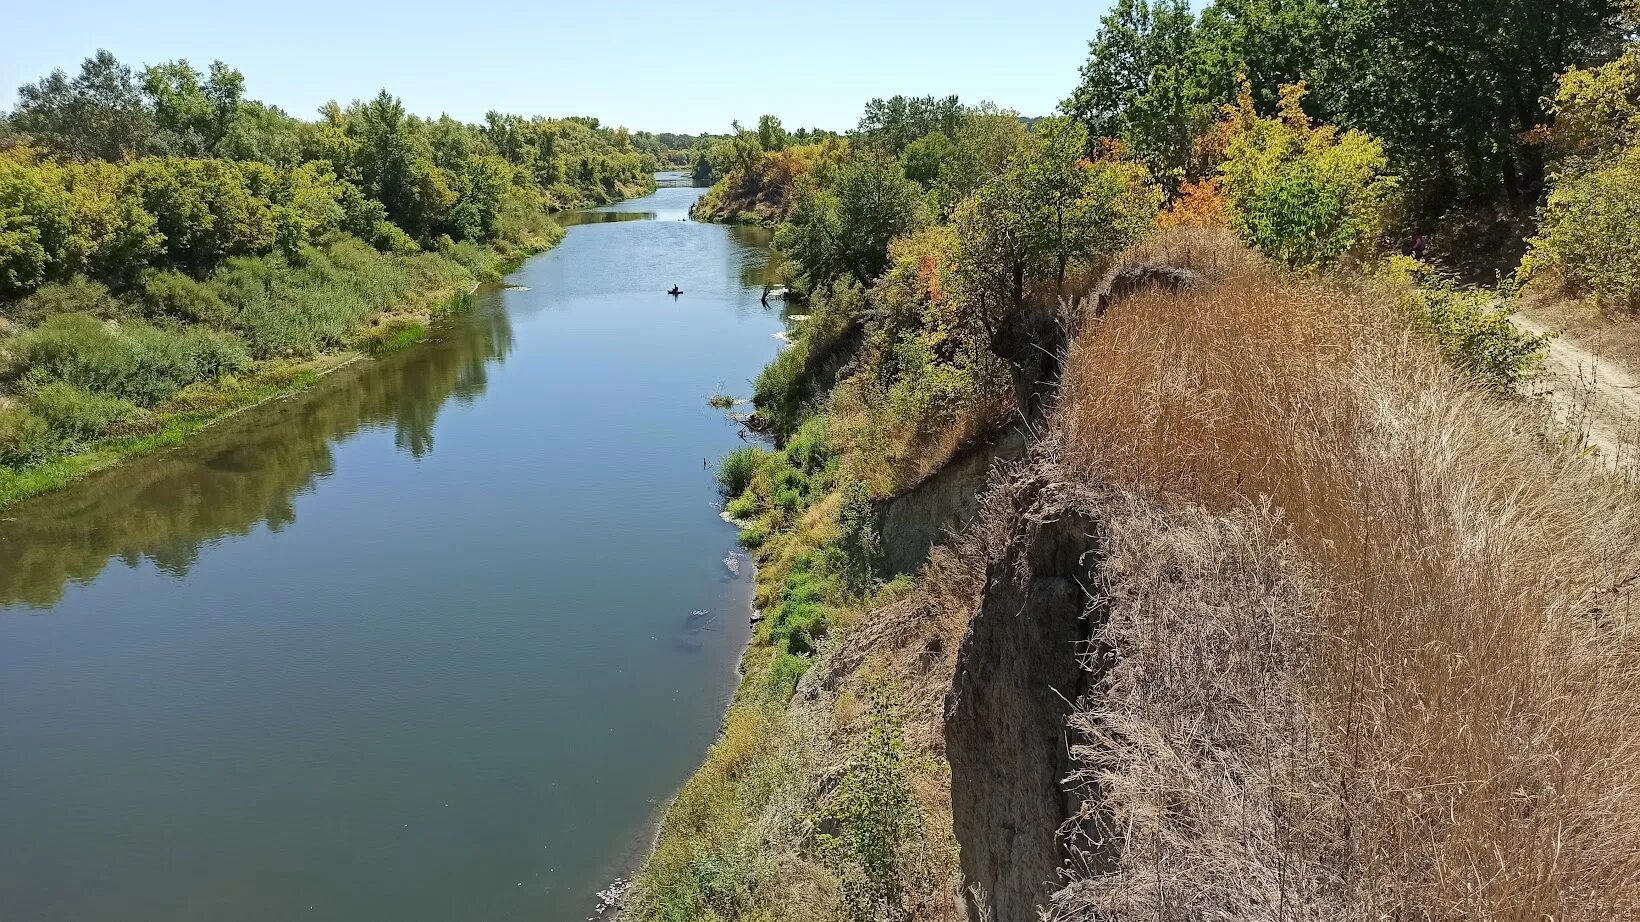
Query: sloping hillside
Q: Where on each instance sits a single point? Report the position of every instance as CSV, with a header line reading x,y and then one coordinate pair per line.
x,y
1279,617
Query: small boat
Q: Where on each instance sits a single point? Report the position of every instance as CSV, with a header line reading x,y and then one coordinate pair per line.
x,y
675,291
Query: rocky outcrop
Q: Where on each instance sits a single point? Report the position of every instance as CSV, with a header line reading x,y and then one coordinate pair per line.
x,y
1019,676
913,522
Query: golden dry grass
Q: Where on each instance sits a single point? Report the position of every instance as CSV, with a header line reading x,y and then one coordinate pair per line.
x,y
1474,665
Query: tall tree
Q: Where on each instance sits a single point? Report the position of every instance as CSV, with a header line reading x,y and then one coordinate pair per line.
x,y
1138,85
1454,86
99,113
843,230
192,112
770,133
892,124
396,169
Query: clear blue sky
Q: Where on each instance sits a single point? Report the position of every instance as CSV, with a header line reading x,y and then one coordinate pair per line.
x,y
684,66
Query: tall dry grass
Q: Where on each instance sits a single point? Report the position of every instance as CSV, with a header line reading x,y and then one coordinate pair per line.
x,y
1474,677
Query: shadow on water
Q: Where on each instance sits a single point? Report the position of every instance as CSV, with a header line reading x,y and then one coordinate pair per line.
x,y
569,219
245,471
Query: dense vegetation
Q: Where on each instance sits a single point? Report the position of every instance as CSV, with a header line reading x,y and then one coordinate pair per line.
x,y
947,254
170,250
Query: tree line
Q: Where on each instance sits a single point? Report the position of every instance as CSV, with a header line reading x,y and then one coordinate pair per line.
x,y
114,170
170,248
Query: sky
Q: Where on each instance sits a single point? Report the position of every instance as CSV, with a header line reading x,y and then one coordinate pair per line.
x,y
686,65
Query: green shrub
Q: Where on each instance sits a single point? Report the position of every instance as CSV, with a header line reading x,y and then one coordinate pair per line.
x,y
1589,232
779,392
477,259
737,469
785,390
525,223
809,449
858,543
172,294
753,536
780,679
78,295
75,414
741,508
24,437
1471,327
877,827
1302,194
137,361
320,301
392,336
800,621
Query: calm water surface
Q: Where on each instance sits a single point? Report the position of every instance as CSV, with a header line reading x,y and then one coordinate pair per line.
x,y
432,641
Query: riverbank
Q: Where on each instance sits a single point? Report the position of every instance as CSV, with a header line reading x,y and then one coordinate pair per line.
x,y
397,325
386,629
966,739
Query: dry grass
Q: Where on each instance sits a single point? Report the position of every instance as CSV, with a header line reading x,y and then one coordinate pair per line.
x,y
1471,677
1198,748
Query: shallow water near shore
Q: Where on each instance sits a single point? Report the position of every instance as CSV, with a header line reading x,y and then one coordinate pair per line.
x,y
432,640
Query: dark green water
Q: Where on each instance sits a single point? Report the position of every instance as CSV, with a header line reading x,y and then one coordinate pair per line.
x,y
419,644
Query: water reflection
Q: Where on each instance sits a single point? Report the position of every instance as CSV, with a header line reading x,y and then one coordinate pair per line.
x,y
246,471
567,219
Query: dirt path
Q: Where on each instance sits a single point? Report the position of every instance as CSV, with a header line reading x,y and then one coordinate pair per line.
x,y
1595,398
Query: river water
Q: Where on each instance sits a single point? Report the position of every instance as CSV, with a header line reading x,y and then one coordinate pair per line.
x,y
433,640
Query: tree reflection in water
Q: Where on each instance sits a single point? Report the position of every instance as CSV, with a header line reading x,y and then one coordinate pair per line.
x,y
245,471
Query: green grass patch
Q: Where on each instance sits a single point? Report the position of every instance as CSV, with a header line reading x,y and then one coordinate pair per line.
x,y
166,426
396,334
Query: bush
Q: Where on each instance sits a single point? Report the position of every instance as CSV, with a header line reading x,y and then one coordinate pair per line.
x,y
1471,327
138,361
525,223
24,437
876,821
75,414
392,336
172,294
1590,232
78,295
779,392
809,450
1302,194
737,469
298,308
741,508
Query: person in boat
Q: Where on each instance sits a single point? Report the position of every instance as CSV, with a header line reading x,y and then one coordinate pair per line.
x,y
675,290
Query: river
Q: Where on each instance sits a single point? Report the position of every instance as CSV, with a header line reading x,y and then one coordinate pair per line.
x,y
434,640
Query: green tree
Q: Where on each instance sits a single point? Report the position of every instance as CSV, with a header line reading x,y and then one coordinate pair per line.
x,y
395,168
1050,211
192,113
1453,88
1139,86
891,124
987,140
770,134
844,229
1303,194
100,112
35,223
482,186
207,210
924,159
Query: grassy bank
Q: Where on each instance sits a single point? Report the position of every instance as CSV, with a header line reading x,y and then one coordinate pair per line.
x,y
94,379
